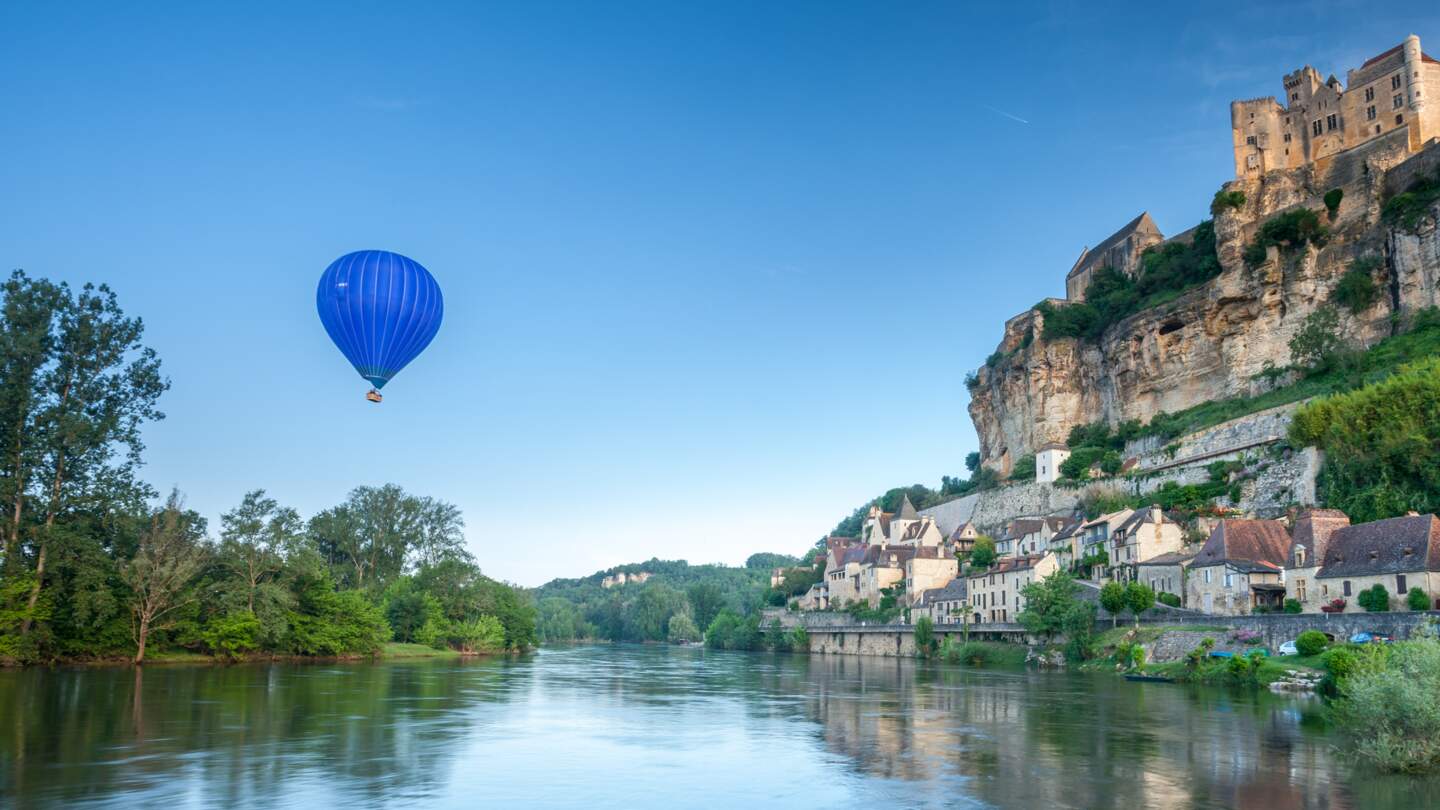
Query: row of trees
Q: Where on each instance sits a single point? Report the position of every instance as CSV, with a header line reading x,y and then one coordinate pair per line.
x,y
91,567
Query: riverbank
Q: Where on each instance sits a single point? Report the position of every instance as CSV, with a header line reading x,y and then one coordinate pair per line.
x,y
390,651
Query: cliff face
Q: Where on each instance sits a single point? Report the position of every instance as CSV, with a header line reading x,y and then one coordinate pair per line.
x,y
1212,341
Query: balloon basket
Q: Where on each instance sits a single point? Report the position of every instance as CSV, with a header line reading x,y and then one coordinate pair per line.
x,y
373,395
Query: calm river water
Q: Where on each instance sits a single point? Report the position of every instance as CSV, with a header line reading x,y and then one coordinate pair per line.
x,y
641,727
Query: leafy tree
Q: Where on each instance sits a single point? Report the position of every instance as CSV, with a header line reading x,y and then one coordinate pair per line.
x,y
1113,599
381,532
1332,201
1417,600
171,555
254,539
408,609
1024,468
1139,598
481,634
766,561
982,554
1288,231
972,461
924,635
232,635
331,623
706,600
1318,345
682,629
1356,290
1053,607
1226,200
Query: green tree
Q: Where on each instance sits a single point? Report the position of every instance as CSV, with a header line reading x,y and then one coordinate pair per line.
x,y
255,538
706,600
1112,598
1053,607
162,572
331,623
924,635
682,629
379,532
1317,345
972,461
408,610
1139,598
982,554
481,634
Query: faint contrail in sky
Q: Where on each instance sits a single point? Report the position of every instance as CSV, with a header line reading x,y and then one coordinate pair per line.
x,y
1007,115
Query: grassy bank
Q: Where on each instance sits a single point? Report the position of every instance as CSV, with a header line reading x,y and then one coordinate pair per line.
x,y
981,653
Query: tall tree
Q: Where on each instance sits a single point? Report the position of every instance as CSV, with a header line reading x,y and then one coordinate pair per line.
x,y
382,532
27,343
255,538
95,396
161,575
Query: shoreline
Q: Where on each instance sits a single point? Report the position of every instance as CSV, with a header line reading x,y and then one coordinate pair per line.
x,y
391,651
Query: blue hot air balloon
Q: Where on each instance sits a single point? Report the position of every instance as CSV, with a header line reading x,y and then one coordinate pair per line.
x,y
382,309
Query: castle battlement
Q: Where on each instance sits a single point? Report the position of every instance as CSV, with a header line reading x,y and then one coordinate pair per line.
x,y
1322,117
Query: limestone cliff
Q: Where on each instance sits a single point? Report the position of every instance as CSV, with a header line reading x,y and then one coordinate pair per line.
x,y
1213,340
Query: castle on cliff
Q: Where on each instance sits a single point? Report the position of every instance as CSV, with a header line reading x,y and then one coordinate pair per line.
x,y
1393,95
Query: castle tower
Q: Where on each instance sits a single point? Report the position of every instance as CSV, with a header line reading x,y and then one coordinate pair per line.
x,y
1413,81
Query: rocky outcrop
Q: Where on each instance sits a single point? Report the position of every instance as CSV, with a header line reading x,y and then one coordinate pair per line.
x,y
1214,340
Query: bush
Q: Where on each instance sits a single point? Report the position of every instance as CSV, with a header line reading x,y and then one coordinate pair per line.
x,y
1332,201
232,635
1409,209
1294,606
1311,642
681,629
1388,711
1417,600
1289,231
1168,599
1375,599
484,634
1317,344
924,636
1226,199
1356,290
1023,469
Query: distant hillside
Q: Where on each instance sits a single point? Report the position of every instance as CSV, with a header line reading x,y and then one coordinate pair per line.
x,y
582,608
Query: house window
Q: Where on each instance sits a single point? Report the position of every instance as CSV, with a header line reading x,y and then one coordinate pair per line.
x,y
1400,584
1318,126
1395,82
1229,579
1347,587
1300,589
1299,557
1287,139
1370,112
1330,121
1207,576
1369,94
1399,119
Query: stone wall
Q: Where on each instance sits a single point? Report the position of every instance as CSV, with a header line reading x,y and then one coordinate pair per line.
x,y
1247,431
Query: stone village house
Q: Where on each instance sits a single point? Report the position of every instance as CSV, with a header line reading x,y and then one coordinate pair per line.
x,y
1399,553
995,594
942,605
1241,566
1309,540
1165,573
1146,534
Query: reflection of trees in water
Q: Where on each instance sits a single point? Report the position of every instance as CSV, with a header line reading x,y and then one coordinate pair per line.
x,y
236,732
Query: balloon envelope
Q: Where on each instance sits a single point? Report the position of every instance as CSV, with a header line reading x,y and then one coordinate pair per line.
x,y
381,309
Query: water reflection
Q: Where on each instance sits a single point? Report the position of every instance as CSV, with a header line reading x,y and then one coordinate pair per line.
x,y
662,727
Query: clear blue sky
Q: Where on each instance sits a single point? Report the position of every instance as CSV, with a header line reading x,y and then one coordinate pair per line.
x,y
714,272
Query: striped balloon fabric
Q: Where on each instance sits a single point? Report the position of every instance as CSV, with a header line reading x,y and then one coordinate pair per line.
x,y
382,309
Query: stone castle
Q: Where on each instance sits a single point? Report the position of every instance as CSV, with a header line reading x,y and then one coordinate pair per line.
x,y
1397,90
1369,139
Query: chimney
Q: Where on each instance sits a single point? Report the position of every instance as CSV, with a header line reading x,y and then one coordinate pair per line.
x,y
1156,516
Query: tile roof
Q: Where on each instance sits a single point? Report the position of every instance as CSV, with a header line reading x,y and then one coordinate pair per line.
x,y
1313,529
888,557
1008,565
1369,549
1424,57
906,510
1246,544
1168,558
1141,517
1111,241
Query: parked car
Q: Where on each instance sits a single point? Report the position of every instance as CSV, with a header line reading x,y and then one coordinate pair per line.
x,y
1288,648
1371,638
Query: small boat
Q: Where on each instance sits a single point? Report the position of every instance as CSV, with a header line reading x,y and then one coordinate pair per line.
x,y
1148,678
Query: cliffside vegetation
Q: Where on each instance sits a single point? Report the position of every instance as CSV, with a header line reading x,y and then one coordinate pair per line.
x,y
1167,271
1381,442
1289,231
1408,209
97,566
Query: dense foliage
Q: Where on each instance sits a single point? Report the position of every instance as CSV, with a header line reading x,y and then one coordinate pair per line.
x,y
1357,290
1288,231
1053,608
1226,199
93,567
1166,272
1387,708
1311,642
1332,202
1381,442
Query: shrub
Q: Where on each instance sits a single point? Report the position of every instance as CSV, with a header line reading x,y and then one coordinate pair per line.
x,y
1290,230
1293,606
1168,599
800,639
1332,201
1311,642
681,628
924,636
1226,199
1375,599
232,635
1356,290
1023,469
1317,344
1387,709
483,634
1417,600
1409,209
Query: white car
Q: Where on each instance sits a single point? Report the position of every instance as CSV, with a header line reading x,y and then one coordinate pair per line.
x,y
1288,648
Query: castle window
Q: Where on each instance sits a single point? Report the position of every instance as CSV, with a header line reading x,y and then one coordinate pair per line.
x,y
1395,82
1370,112
1369,94
1399,101
1294,96
1250,140
1318,126
1399,119
1287,137
1330,121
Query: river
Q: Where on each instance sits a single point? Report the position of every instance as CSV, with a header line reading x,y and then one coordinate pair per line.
x,y
662,727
